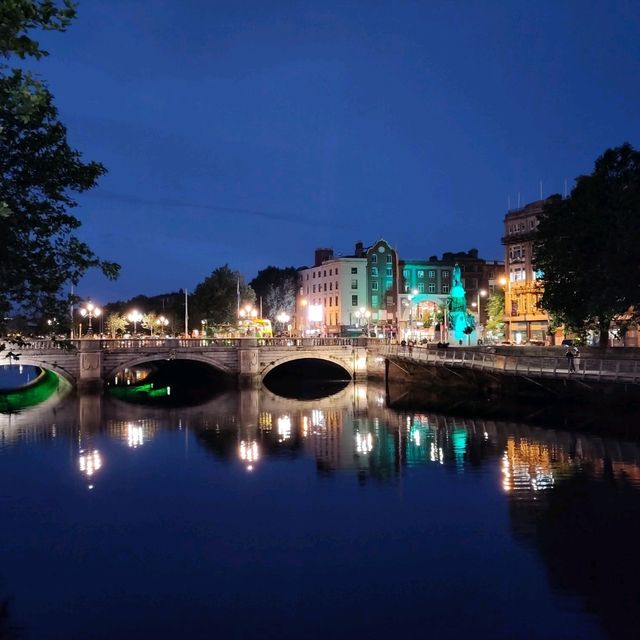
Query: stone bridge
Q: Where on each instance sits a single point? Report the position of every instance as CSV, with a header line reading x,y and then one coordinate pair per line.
x,y
89,363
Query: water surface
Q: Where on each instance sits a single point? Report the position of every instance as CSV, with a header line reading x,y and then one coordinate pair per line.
x,y
252,516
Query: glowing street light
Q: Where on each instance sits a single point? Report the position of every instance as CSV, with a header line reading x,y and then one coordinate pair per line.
x,y
90,311
134,316
162,322
283,318
363,314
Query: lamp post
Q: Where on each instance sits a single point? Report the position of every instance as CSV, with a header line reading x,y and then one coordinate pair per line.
x,y
283,318
481,294
162,323
90,311
135,317
365,315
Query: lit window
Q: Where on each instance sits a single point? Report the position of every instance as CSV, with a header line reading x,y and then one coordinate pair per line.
x,y
354,284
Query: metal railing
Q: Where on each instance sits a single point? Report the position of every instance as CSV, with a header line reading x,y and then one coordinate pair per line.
x,y
586,368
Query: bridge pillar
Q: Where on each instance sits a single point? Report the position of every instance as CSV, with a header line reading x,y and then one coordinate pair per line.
x,y
249,363
90,354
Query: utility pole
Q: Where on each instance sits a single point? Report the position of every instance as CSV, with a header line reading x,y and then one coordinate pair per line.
x,y
186,314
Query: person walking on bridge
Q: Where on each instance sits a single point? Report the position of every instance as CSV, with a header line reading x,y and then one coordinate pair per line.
x,y
571,367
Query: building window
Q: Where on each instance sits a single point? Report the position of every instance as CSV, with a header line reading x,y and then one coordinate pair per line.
x,y
374,301
314,288
432,287
314,275
421,287
374,271
354,284
420,273
325,273
389,271
331,286
325,286
374,285
445,275
336,270
406,287
388,257
389,301
337,305
354,301
445,288
389,283
354,270
405,274
307,276
432,274
336,286
374,259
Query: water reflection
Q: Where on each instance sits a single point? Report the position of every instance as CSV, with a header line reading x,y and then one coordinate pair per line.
x,y
575,499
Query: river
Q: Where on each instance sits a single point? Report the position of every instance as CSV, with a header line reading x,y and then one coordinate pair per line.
x,y
255,516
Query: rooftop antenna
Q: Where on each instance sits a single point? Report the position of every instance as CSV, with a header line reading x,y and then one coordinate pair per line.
x,y
540,189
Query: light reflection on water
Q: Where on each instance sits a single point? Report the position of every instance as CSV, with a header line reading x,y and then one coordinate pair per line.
x,y
443,506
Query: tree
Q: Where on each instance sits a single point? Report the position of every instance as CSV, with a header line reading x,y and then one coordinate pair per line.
x,y
586,245
150,321
495,312
39,172
216,297
116,323
277,288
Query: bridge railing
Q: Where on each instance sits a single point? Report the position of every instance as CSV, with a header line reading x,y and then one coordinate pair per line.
x,y
174,343
311,342
610,369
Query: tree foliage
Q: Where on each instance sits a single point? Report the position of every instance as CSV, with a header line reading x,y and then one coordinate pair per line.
x,y
39,173
586,245
116,323
495,312
150,322
277,288
216,298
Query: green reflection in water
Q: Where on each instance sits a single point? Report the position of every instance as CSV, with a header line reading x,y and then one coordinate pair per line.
x,y
41,389
139,392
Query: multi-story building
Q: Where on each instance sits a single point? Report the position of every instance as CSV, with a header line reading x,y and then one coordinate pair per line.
x,y
330,293
426,284
525,320
342,293
382,283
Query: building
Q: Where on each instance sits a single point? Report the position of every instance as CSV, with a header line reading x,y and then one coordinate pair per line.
x,y
330,294
525,320
426,285
382,284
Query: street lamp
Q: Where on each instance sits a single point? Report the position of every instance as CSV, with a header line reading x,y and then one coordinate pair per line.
x,y
135,317
162,322
481,294
364,314
283,318
90,311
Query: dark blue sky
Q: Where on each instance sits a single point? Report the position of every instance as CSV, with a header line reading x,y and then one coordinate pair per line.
x,y
250,133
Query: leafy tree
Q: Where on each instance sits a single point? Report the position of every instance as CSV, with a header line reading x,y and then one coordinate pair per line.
x,y
277,288
150,321
116,323
216,297
39,172
586,246
495,312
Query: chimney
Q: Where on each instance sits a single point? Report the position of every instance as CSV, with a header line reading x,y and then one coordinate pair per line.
x,y
322,255
359,250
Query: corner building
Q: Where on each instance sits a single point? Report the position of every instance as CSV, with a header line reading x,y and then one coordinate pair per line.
x,y
525,320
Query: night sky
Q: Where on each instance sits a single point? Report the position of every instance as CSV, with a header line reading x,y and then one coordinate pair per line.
x,y
250,133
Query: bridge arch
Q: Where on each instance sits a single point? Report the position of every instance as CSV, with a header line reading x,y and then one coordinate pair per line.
x,y
70,376
345,364
111,370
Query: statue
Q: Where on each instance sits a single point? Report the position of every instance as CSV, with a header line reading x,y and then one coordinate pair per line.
x,y
461,322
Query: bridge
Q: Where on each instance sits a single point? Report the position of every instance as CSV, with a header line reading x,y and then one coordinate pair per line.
x,y
90,362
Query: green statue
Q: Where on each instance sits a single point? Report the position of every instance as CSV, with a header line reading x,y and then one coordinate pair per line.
x,y
459,319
